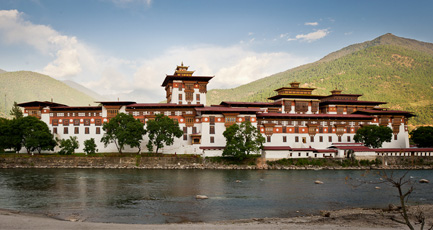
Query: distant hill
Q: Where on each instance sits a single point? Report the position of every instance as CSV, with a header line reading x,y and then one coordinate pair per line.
x,y
85,90
2,71
24,86
389,68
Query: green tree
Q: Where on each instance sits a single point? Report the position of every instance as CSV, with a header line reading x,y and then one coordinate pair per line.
x,y
10,134
68,146
123,130
373,136
16,111
423,136
243,139
162,130
35,134
90,146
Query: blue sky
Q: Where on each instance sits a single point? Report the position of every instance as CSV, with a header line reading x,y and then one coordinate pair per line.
x,y
117,46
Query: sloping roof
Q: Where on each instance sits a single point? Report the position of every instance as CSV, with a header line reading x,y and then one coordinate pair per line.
x,y
380,112
75,108
355,148
277,148
170,78
353,102
250,104
115,102
40,103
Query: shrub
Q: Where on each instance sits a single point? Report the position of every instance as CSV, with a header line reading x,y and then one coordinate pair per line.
x,y
90,146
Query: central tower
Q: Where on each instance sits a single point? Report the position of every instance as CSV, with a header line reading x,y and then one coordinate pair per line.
x,y
184,88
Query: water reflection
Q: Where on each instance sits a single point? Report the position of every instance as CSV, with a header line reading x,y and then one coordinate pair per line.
x,y
165,196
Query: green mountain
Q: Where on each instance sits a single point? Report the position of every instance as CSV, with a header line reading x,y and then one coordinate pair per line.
x,y
25,86
389,68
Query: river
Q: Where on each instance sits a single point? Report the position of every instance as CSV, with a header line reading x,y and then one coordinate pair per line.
x,y
168,196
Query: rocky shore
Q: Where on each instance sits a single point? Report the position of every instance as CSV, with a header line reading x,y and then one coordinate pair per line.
x,y
356,218
137,162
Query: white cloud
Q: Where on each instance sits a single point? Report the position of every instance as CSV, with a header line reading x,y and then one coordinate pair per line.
x,y
69,58
310,37
311,23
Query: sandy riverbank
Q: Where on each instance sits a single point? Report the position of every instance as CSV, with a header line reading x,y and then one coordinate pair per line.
x,y
341,219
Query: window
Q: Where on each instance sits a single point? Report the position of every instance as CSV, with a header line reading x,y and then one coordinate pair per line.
x,y
311,138
348,138
86,122
284,138
296,129
76,122
307,154
194,130
197,97
340,110
180,97
55,122
247,118
395,136
284,129
212,139
98,122
65,122
189,96
304,140
212,129
299,154
98,130
112,112
296,139
320,139
189,121
329,139
65,130
54,130
339,139
86,130
77,130
212,120
185,133
180,86
268,139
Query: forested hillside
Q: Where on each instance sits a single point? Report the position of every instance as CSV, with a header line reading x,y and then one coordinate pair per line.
x,y
391,69
24,86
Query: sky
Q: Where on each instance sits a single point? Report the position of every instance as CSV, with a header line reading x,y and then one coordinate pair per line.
x,y
118,46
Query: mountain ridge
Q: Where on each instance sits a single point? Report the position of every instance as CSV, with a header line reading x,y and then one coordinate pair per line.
x,y
388,68
25,86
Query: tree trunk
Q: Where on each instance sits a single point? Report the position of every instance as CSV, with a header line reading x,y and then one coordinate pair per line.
x,y
403,207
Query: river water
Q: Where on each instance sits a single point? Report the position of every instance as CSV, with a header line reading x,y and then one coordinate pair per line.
x,y
168,196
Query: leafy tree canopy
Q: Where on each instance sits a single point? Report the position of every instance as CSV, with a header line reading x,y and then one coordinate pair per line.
x,y
423,136
16,111
373,136
243,139
10,134
90,146
35,134
68,146
123,130
162,130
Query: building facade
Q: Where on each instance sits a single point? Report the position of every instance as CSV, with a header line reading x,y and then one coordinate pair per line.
x,y
295,122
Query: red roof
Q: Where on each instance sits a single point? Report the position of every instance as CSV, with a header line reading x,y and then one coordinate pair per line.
x,y
116,102
303,149
277,148
355,148
251,104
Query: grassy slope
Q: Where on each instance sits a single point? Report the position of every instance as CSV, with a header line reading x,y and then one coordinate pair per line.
x,y
24,86
389,68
